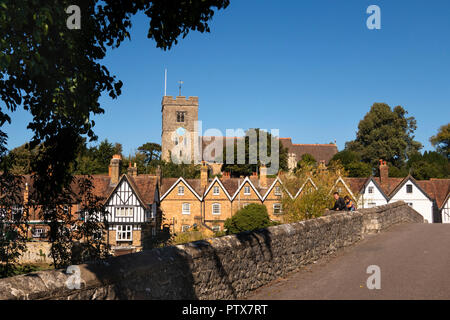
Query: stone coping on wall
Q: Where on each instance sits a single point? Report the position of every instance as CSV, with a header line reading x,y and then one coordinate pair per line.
x,y
228,267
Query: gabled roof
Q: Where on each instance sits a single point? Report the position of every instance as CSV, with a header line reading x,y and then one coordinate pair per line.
x,y
143,186
277,179
192,185
359,185
247,179
345,185
216,179
303,185
405,180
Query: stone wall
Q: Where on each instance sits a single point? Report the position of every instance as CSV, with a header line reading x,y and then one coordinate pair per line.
x,y
221,268
37,252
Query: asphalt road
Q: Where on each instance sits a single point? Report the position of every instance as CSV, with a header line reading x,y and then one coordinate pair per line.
x,y
414,262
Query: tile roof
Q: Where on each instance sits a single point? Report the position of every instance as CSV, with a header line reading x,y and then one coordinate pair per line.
x,y
320,152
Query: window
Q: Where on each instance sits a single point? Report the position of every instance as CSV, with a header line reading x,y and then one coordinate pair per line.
x,y
216,191
39,233
339,189
124,212
186,209
216,208
370,189
409,188
247,190
124,233
180,116
245,204
216,228
277,191
180,190
185,228
175,140
277,208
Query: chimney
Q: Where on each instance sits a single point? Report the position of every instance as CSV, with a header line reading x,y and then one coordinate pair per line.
x,y
263,176
225,175
114,168
25,194
384,171
132,171
204,175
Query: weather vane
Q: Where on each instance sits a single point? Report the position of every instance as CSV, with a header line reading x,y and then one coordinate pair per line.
x,y
179,86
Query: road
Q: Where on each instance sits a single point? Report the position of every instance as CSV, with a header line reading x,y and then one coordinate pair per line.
x,y
414,262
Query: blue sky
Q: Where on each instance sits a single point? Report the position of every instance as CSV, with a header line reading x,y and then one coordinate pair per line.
x,y
309,68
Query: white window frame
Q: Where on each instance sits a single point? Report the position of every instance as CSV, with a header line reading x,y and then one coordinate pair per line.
x,y
185,228
245,190
277,191
215,205
371,189
39,232
216,228
183,208
216,193
122,230
126,210
280,208
181,188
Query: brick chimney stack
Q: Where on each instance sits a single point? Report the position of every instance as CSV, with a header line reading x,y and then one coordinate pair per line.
x,y
204,175
384,171
25,194
132,171
225,175
263,176
114,168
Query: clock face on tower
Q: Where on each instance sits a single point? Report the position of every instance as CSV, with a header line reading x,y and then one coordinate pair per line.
x,y
180,131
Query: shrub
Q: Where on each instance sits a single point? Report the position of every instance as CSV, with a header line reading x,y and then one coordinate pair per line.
x,y
251,217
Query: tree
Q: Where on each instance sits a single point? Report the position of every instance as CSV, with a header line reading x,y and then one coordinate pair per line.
x,y
152,152
351,161
251,157
251,217
441,141
56,74
306,160
385,134
315,199
428,165
12,217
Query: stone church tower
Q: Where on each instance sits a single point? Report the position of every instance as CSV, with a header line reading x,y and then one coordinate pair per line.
x,y
179,137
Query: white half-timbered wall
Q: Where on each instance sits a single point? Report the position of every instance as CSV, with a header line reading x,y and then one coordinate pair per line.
x,y
446,212
369,200
125,197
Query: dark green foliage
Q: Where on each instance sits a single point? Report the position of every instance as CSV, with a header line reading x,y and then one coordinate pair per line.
x,y
56,74
441,141
351,162
428,165
307,160
252,161
173,170
387,134
251,217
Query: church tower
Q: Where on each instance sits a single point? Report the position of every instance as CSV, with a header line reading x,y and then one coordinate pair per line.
x,y
179,137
